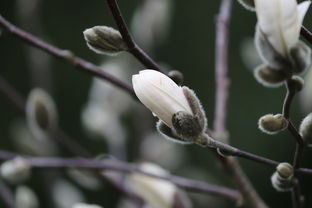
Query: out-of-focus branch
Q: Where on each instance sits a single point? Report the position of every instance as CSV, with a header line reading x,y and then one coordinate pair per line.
x,y
7,195
64,55
187,184
134,49
230,165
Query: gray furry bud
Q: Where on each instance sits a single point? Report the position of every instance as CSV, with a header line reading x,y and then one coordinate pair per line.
x,y
305,129
41,112
186,125
16,170
104,40
272,124
282,179
248,4
296,83
269,77
169,134
300,56
176,76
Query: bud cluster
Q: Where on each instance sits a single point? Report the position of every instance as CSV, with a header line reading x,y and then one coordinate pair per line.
x,y
282,178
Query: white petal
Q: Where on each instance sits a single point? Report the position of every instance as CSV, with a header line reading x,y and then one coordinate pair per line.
x,y
268,19
289,22
302,10
160,94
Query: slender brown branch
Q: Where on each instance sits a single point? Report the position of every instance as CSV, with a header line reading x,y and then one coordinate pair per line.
x,y
64,55
134,49
187,184
297,198
221,67
7,195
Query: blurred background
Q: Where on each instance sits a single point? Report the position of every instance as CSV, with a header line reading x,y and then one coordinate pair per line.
x,y
179,35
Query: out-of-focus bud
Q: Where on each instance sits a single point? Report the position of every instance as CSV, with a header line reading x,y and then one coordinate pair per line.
x,y
306,94
150,22
181,114
83,205
282,179
157,193
41,113
26,143
305,129
272,124
65,194
104,40
26,198
248,4
277,35
85,179
176,76
269,77
16,170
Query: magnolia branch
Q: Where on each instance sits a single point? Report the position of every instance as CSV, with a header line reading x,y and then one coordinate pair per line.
x,y
134,49
64,55
82,163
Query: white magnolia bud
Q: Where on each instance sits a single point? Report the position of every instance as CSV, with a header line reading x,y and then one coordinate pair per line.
x,y
272,124
41,112
157,193
280,22
83,205
160,94
306,129
15,170
104,40
26,198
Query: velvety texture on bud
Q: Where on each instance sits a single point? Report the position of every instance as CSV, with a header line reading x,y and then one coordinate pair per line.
x,y
104,40
272,124
248,4
305,129
282,179
269,77
160,94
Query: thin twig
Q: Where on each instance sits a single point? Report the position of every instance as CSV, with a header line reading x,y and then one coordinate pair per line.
x,y
306,34
291,92
134,49
64,55
187,184
231,165
7,195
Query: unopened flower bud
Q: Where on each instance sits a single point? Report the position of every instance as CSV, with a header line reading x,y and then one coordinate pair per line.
x,y
16,170
83,205
41,112
296,83
176,76
248,4
104,40
26,198
269,77
272,124
305,129
282,179
300,56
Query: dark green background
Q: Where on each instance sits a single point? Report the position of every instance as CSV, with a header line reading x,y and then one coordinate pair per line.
x,y
190,49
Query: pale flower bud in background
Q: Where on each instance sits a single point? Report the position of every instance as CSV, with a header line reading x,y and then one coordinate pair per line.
x,y
157,193
85,179
280,21
104,40
41,113
26,198
65,194
305,129
160,94
306,94
16,170
272,124
83,205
